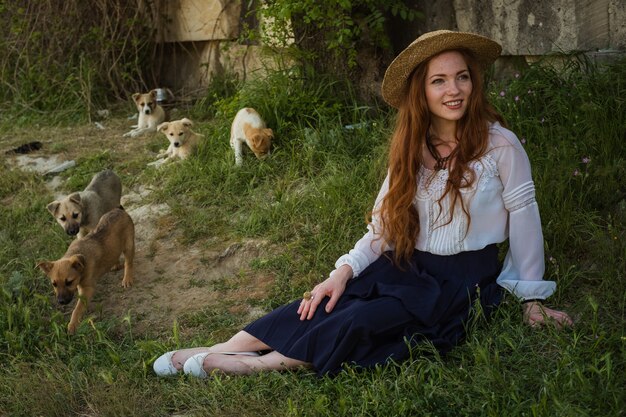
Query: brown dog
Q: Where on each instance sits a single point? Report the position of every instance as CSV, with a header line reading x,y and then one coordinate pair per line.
x,y
90,257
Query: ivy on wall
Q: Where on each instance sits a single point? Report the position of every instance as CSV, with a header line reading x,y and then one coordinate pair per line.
x,y
328,34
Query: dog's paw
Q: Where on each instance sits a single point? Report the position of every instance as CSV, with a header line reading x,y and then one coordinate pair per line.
x,y
156,163
71,327
127,282
127,134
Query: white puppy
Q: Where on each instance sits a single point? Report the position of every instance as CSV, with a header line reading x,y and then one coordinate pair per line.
x,y
249,128
150,114
183,140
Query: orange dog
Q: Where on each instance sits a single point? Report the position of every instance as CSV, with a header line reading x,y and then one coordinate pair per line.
x,y
249,128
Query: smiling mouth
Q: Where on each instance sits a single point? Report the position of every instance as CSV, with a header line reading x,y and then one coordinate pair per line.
x,y
455,104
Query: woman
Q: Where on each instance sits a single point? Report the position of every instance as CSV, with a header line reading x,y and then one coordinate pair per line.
x,y
458,184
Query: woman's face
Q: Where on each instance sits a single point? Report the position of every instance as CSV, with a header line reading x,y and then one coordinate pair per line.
x,y
448,87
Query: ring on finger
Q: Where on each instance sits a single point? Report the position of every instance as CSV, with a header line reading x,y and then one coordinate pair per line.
x,y
308,295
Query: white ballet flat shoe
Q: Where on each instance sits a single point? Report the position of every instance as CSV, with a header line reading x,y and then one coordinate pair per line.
x,y
193,365
163,366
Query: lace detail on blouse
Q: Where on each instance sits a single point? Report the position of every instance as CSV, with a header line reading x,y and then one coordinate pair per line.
x,y
519,197
432,184
445,234
431,226
485,168
522,204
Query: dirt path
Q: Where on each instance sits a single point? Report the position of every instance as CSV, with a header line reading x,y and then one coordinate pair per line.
x,y
171,279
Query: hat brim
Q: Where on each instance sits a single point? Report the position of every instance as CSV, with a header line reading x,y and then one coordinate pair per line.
x,y
395,82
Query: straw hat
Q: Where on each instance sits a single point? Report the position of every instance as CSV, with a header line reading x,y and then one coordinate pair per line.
x,y
428,45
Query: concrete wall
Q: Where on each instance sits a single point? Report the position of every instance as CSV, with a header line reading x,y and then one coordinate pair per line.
x,y
200,20
200,35
531,27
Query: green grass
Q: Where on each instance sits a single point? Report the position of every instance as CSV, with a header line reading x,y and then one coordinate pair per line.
x,y
310,198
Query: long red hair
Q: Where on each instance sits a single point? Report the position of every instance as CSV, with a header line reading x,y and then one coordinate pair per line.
x,y
399,217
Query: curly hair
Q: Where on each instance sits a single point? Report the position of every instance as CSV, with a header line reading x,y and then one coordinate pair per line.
x,y
398,215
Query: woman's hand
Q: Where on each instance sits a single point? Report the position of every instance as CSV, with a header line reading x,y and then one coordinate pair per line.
x,y
536,314
332,287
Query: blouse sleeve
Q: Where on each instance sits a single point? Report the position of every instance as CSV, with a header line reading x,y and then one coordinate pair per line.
x,y
372,244
524,267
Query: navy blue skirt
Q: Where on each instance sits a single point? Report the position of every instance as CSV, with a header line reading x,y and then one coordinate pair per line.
x,y
386,310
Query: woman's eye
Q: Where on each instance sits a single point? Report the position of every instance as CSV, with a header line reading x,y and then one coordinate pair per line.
x,y
464,77
438,81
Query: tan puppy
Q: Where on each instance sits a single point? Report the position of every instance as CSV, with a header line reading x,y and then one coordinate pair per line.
x,y
249,128
150,114
88,258
183,140
79,212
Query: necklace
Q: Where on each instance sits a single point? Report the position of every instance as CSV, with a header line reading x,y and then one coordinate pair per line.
x,y
440,162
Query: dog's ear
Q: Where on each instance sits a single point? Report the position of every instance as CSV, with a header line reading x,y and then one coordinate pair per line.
x,y
136,96
268,132
53,207
153,94
78,262
186,122
45,266
163,127
74,198
257,140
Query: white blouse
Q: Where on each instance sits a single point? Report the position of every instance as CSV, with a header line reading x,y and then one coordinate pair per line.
x,y
501,203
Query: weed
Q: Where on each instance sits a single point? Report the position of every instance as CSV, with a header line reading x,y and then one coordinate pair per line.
x,y
65,59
